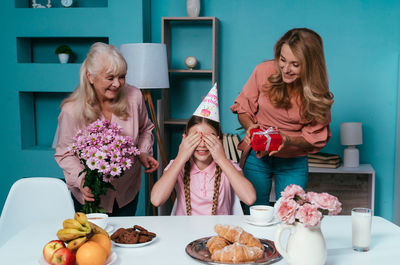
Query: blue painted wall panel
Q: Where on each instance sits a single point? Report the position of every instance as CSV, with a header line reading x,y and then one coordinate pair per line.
x,y
362,44
121,22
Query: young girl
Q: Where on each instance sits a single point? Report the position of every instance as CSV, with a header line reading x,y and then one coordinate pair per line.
x,y
204,179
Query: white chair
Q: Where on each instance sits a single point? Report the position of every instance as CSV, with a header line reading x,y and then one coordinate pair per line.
x,y
236,207
33,200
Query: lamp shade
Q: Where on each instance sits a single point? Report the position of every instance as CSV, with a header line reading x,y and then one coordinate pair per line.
x,y
147,65
351,133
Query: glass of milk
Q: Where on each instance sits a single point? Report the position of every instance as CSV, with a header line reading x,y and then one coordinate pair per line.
x,y
361,228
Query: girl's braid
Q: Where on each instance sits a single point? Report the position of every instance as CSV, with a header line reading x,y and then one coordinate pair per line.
x,y
217,182
186,181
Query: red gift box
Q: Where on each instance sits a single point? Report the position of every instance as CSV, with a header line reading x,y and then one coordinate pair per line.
x,y
265,139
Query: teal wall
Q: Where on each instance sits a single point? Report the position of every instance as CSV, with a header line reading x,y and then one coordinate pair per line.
x,y
120,21
362,44
361,39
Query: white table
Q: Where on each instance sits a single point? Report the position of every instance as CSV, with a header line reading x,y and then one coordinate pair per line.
x,y
175,232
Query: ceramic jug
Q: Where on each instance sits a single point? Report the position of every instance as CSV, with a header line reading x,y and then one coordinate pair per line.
x,y
305,246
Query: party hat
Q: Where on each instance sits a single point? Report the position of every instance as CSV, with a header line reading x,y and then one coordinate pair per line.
x,y
208,108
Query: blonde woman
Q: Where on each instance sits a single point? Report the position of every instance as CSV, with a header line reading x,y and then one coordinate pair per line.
x,y
102,93
292,94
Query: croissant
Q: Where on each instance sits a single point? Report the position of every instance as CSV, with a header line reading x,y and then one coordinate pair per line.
x,y
216,243
237,253
237,234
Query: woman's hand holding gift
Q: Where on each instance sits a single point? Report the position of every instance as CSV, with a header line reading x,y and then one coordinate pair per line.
x,y
247,137
284,143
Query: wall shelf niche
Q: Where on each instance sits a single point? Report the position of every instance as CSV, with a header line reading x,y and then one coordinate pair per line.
x,y
38,116
42,49
57,3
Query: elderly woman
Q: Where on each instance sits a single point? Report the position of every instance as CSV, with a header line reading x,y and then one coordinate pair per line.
x,y
102,93
290,93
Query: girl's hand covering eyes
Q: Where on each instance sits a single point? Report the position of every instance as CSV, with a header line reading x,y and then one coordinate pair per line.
x,y
214,145
188,145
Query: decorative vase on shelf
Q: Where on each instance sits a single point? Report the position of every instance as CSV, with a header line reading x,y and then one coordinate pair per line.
x,y
63,57
305,246
193,8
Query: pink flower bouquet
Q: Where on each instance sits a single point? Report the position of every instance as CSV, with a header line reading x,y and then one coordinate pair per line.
x,y
296,205
105,154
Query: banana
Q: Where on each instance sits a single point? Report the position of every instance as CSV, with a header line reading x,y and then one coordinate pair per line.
x,y
76,243
97,229
68,234
72,223
82,219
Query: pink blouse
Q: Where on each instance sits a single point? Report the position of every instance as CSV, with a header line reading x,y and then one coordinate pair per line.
x,y
252,102
137,125
202,191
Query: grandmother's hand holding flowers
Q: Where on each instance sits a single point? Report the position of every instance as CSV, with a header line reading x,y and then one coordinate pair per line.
x,y
86,191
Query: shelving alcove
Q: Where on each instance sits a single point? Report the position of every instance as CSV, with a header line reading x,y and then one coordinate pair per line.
x,y
184,36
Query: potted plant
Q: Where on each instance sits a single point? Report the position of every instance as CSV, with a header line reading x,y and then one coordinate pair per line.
x,y
63,52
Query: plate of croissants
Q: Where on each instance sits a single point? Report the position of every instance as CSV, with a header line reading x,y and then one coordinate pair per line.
x,y
233,245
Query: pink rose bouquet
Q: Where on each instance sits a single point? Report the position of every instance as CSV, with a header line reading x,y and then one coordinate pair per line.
x,y
105,155
296,205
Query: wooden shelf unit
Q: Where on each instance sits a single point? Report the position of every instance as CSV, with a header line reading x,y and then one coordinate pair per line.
x,y
178,72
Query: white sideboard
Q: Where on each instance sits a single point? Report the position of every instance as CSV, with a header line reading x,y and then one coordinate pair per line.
x,y
355,187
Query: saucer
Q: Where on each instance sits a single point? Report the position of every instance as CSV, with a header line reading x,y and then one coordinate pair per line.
x,y
250,220
109,228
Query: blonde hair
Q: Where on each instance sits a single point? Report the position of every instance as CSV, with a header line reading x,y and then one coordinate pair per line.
x,y
194,120
86,105
315,99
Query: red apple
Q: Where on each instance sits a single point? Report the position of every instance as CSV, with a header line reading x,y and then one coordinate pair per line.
x,y
63,256
50,248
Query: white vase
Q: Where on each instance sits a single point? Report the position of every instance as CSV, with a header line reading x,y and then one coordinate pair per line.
x,y
63,57
305,246
193,8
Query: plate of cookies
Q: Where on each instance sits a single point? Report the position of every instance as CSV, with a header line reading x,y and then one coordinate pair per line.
x,y
133,237
233,245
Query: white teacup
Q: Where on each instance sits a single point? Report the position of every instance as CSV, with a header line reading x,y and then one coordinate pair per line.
x,y
262,213
100,219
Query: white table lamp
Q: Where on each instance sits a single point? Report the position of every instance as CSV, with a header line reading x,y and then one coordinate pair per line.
x,y
148,69
147,65
351,135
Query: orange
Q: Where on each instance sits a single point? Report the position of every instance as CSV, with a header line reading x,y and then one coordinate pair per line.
x,y
91,253
103,241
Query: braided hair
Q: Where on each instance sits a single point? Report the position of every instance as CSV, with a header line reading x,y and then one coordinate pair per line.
x,y
194,120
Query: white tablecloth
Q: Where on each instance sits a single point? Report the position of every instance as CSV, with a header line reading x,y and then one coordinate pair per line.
x,y
175,232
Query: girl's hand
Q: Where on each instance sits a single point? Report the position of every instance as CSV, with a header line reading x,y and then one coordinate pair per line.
x,y
285,143
188,145
214,145
86,192
247,137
